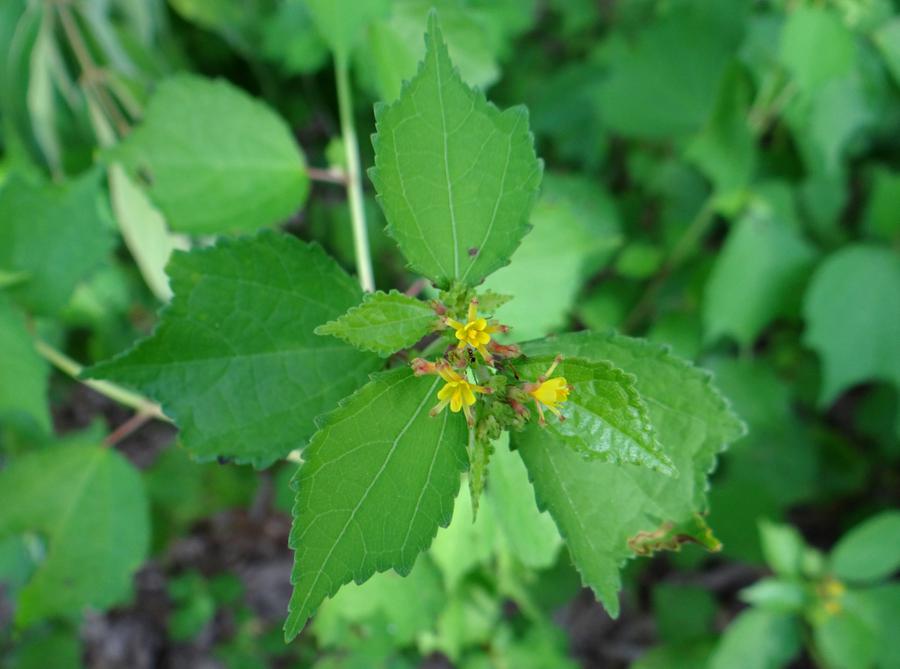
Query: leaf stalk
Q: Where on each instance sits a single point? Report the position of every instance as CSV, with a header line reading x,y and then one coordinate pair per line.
x,y
354,175
114,392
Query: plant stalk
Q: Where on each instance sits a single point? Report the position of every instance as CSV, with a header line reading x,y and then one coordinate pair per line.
x,y
354,175
114,392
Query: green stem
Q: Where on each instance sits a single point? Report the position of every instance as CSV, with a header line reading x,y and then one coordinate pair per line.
x,y
354,175
682,249
116,393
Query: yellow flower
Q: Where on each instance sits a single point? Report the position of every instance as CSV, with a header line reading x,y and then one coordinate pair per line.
x,y
457,392
833,607
832,591
549,392
475,333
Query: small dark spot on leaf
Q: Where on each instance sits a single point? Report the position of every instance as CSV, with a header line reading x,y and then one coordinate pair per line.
x,y
145,175
473,252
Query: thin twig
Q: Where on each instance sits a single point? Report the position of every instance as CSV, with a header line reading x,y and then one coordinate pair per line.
x,y
129,427
354,175
333,176
416,287
92,76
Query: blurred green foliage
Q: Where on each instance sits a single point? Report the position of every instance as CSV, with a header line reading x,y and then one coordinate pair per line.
x,y
721,177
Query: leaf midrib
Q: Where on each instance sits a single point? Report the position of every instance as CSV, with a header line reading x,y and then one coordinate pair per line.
x,y
365,495
445,137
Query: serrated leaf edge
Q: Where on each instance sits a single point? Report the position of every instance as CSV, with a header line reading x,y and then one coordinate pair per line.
x,y
95,372
325,330
381,108
664,353
322,421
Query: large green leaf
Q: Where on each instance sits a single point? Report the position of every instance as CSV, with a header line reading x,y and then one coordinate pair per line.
x,y
87,503
456,177
54,235
380,477
759,275
758,639
384,323
852,310
599,506
605,417
662,81
234,360
23,381
214,159
725,150
805,30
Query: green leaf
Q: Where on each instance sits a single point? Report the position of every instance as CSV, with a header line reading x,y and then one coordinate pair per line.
x,y
384,323
780,596
394,46
784,548
599,506
40,647
468,541
881,219
530,532
852,310
290,38
87,503
181,491
144,231
880,605
855,635
456,177
758,639
214,159
684,655
760,476
888,41
725,150
342,22
234,360
870,551
806,29
576,228
758,276
605,417
479,458
55,234
409,605
23,382
673,64
380,476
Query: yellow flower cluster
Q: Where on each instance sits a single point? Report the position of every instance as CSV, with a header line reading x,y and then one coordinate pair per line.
x,y
459,391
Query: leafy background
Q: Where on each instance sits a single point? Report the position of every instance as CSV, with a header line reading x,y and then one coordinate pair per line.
x,y
721,177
